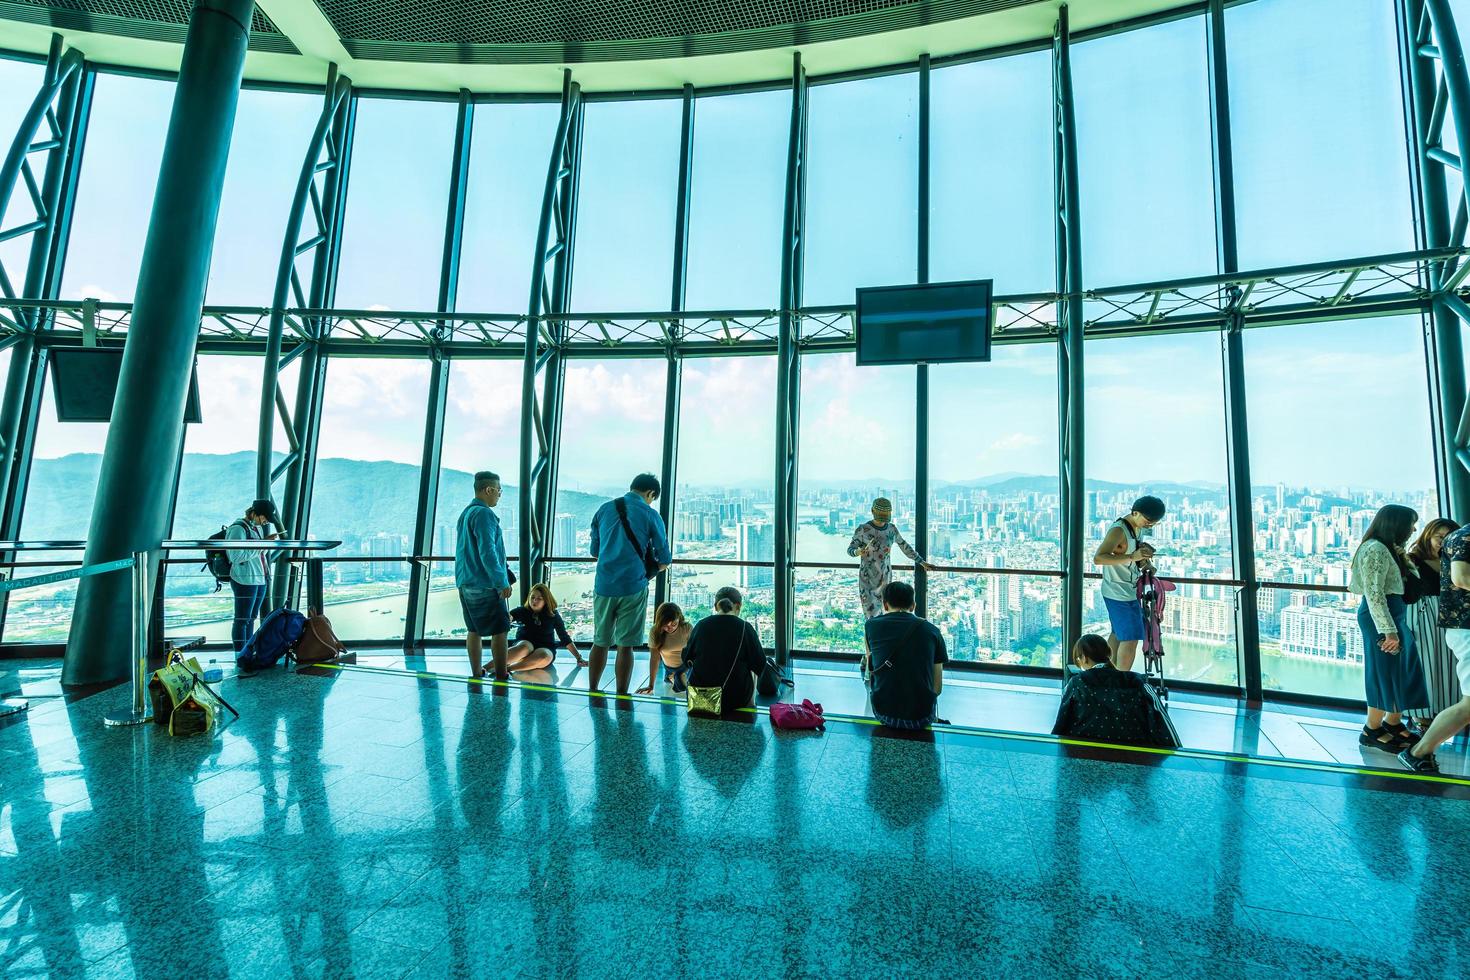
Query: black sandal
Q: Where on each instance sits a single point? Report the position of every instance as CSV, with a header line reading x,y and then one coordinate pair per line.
x,y
1403,733
1373,738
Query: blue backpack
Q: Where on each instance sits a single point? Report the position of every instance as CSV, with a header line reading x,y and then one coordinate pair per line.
x,y
276,636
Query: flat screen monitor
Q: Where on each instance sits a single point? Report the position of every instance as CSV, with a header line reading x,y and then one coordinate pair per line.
x,y
942,321
84,384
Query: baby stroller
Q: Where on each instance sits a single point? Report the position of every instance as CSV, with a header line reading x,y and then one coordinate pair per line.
x,y
1151,591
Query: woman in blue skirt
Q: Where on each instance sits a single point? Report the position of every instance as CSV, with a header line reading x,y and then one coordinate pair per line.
x,y
1393,676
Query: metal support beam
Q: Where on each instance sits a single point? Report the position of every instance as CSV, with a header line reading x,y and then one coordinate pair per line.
x,y
788,366
551,289
674,371
423,531
1071,431
142,452
1237,434
921,379
1430,101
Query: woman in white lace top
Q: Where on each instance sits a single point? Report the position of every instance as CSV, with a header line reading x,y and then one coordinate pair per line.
x,y
1392,675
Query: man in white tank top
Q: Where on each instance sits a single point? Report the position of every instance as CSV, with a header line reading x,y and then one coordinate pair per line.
x,y
1120,556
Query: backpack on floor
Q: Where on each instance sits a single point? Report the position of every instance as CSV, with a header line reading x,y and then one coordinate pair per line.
x,y
318,643
798,716
769,683
278,633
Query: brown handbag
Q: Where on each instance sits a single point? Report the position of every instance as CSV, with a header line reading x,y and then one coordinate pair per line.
x,y
318,643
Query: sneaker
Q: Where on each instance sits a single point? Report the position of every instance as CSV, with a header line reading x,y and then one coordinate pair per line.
x,y
1414,763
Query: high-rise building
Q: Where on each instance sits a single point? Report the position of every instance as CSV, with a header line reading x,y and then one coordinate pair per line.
x,y
566,534
756,542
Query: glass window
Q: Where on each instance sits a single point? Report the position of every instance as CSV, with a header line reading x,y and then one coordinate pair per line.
x,y
272,130
724,509
994,503
393,230
1339,426
738,201
626,201
19,83
857,442
991,168
509,153
1143,155
120,164
1316,112
366,489
482,431
862,186
612,429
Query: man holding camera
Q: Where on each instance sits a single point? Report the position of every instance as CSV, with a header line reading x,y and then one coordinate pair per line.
x,y
1123,555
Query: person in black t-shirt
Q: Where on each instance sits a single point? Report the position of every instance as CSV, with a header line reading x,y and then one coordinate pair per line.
x,y
906,658
725,651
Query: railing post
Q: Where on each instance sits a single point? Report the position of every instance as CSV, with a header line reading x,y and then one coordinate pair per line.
x,y
139,711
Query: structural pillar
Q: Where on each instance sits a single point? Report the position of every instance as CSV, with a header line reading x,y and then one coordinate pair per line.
x,y
137,476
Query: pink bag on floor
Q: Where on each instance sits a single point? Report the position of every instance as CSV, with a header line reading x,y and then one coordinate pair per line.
x,y
798,716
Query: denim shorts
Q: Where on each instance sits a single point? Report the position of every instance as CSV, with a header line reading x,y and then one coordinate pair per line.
x,y
484,611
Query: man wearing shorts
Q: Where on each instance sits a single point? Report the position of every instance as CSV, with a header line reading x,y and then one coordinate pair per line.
x,y
1454,617
1121,553
482,577
627,536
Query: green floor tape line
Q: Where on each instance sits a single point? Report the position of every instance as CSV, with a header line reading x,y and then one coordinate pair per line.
x,y
1199,754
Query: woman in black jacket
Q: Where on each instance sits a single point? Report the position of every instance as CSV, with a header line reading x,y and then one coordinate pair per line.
x,y
725,651
1105,704
542,632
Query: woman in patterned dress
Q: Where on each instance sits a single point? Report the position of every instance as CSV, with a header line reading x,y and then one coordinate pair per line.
x,y
872,544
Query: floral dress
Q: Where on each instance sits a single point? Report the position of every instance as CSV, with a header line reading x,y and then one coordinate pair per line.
x,y
876,567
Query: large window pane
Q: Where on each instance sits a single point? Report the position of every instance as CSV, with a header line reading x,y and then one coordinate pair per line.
x,y
1143,155
367,489
509,153
1316,111
1339,426
482,431
393,231
857,443
862,187
625,205
612,429
115,193
272,130
994,502
992,214
738,201
19,83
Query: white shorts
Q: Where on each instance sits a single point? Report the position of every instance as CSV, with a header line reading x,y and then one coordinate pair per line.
x,y
1459,644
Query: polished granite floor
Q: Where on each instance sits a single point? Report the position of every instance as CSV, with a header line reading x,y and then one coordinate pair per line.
x,y
374,824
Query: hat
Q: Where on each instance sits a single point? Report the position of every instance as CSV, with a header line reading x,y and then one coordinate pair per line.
x,y
882,506
265,509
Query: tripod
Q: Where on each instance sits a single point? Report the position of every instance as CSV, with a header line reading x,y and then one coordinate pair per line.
x,y
1153,634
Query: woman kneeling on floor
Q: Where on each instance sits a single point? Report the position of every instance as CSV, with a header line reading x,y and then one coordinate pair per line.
x,y
725,651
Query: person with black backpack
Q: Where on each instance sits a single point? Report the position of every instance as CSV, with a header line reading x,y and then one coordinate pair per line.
x,y
248,568
631,547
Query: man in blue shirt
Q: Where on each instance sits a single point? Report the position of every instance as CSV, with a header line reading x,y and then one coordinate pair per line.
x,y
482,577
631,548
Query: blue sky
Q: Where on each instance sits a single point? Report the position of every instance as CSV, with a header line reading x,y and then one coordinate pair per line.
x,y
1320,167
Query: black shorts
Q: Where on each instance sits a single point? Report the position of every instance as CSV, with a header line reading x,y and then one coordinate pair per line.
x,y
484,611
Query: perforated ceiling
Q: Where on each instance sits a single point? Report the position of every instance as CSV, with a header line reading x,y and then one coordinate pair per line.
x,y
528,31
154,20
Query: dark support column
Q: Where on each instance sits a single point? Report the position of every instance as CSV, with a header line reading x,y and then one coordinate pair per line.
x,y
788,367
1237,434
132,503
921,381
1443,343
675,371
423,532
1069,338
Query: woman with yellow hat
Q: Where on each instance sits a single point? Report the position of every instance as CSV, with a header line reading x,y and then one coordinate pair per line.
x,y
872,544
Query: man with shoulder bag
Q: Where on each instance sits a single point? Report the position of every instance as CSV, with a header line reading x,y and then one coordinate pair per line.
x,y
631,546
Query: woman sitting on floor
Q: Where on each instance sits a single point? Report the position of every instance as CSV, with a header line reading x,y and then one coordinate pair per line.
x,y
541,632
1105,704
725,651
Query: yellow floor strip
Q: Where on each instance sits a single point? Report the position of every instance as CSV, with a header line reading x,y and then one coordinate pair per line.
x,y
1201,754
